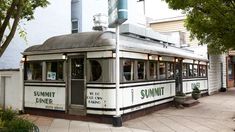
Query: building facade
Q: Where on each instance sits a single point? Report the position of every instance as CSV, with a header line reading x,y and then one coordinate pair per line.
x,y
217,63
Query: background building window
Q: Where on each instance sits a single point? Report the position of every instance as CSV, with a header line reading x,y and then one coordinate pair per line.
x,y
141,70
162,70
33,71
75,26
230,71
54,70
128,70
96,70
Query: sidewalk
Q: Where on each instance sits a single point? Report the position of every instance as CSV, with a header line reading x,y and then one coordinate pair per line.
x,y
214,114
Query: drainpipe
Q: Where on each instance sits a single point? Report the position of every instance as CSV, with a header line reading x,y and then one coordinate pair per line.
x,y
2,79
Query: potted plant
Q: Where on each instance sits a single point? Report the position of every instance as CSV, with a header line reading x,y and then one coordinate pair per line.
x,y
180,98
196,93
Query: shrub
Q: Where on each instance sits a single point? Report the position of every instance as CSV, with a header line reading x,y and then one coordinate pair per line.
x,y
9,122
196,90
20,125
8,115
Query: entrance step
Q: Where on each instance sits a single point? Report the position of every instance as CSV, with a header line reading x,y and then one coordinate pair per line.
x,y
74,111
190,103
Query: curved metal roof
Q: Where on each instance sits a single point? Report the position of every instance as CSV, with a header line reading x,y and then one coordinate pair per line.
x,y
71,41
94,41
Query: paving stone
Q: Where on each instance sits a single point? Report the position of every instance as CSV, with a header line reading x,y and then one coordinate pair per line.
x,y
43,121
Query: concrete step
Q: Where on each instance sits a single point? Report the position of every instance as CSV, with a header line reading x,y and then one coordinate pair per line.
x,y
190,103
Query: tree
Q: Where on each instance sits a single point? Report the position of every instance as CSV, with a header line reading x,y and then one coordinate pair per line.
x,y
11,12
212,22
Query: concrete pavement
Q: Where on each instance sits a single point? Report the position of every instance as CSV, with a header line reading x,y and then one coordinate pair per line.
x,y
214,114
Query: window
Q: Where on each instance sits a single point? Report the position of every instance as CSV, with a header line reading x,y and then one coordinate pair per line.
x,y
190,70
170,70
33,71
77,68
75,26
152,70
202,71
162,70
96,70
128,70
141,70
195,70
54,70
184,71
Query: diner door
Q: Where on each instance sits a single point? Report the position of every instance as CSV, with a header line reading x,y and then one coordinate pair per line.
x,y
77,85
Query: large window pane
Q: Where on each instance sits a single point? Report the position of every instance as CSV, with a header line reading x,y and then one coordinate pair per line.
x,y
152,70
170,70
141,70
190,70
202,71
195,70
128,70
96,70
54,70
162,70
77,68
184,71
33,71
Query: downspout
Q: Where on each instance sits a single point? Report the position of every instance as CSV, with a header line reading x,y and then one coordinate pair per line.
x,y
2,79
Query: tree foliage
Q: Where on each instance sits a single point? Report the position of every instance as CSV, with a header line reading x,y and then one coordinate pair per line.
x,y
11,12
212,22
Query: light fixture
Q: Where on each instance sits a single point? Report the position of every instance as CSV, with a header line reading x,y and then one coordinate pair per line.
x,y
23,59
64,57
114,55
176,59
160,58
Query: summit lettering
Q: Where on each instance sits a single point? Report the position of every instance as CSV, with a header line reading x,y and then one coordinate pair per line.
x,y
147,93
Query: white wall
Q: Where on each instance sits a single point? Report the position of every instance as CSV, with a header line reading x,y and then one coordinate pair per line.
x,y
217,73
11,83
50,21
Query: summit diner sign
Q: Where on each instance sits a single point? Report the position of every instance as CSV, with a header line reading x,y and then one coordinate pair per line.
x,y
45,97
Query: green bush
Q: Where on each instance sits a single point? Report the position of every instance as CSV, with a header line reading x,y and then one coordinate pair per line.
x,y
19,125
9,122
8,115
196,90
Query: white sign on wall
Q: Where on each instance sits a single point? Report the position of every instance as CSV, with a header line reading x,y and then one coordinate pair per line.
x,y
45,97
105,98
138,95
100,98
189,85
